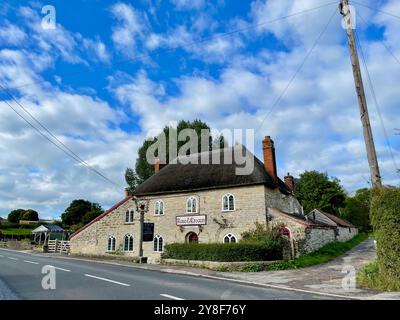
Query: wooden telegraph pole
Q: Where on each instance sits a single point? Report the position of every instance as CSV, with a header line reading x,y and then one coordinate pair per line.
x,y
362,102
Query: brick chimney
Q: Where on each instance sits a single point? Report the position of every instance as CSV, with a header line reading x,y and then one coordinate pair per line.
x,y
269,157
289,181
158,166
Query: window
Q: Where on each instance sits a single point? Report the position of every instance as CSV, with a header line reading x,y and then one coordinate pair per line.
x,y
230,238
191,205
158,243
159,208
128,243
129,216
228,202
111,244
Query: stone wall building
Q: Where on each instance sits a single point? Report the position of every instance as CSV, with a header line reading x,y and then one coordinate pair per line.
x,y
204,203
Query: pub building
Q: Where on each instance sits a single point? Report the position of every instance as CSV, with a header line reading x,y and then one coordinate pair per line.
x,y
202,203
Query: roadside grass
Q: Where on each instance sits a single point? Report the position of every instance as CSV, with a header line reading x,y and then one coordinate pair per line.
x,y
323,255
371,277
16,231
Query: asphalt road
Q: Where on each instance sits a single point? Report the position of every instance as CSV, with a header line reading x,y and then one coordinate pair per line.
x,y
21,278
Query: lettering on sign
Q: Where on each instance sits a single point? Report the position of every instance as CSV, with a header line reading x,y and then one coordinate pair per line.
x,y
195,220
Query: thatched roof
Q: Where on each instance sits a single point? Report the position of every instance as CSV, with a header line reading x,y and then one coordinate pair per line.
x,y
180,177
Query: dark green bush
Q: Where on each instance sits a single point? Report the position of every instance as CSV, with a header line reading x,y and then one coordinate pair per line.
x,y
225,252
385,219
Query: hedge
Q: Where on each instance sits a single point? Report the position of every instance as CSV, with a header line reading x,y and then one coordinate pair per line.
x,y
224,252
385,219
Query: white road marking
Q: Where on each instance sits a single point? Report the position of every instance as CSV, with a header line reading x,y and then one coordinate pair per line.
x,y
108,280
32,262
66,270
11,258
170,297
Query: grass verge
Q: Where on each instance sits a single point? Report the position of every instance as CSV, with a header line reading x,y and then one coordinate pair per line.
x,y
322,255
371,277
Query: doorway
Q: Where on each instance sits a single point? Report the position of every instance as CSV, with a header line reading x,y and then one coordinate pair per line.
x,y
192,237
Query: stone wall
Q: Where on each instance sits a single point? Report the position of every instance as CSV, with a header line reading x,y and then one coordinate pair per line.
x,y
286,203
316,238
345,234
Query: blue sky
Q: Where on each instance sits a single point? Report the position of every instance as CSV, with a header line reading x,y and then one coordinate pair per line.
x,y
115,72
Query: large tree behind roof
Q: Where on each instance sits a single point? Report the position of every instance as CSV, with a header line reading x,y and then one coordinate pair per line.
x,y
315,190
80,212
144,170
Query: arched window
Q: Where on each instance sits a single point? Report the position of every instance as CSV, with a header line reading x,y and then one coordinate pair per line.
x,y
129,215
128,243
228,202
159,208
158,243
230,238
191,205
111,243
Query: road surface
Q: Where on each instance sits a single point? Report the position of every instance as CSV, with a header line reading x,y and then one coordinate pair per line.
x,y
21,277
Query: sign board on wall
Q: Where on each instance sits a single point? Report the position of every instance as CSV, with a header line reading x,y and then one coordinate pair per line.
x,y
148,231
194,220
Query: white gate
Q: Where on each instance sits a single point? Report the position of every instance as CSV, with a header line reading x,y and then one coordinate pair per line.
x,y
58,246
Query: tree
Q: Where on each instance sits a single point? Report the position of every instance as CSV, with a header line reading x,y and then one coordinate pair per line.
x,y
80,211
15,215
357,209
94,212
315,190
30,215
144,170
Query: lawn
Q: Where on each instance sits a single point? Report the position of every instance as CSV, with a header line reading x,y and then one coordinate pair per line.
x,y
16,231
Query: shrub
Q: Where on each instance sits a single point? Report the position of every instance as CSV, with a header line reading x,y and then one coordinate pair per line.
x,y
385,219
261,234
225,252
371,277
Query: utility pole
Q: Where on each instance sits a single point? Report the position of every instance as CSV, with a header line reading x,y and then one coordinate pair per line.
x,y
362,102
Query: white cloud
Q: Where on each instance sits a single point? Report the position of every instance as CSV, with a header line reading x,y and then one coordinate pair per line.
x,y
188,4
129,30
11,34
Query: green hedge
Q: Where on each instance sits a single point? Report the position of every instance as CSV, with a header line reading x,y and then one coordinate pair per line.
x,y
385,218
225,252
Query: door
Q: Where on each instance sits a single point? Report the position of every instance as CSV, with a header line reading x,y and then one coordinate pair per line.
x,y
192,237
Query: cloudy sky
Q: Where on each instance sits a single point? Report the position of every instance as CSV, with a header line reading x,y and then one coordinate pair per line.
x,y
112,73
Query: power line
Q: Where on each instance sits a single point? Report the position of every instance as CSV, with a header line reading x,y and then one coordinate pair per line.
x,y
278,100
191,44
71,154
376,101
377,10
382,41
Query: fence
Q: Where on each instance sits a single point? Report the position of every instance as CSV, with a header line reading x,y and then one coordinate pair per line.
x,y
58,246
14,237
